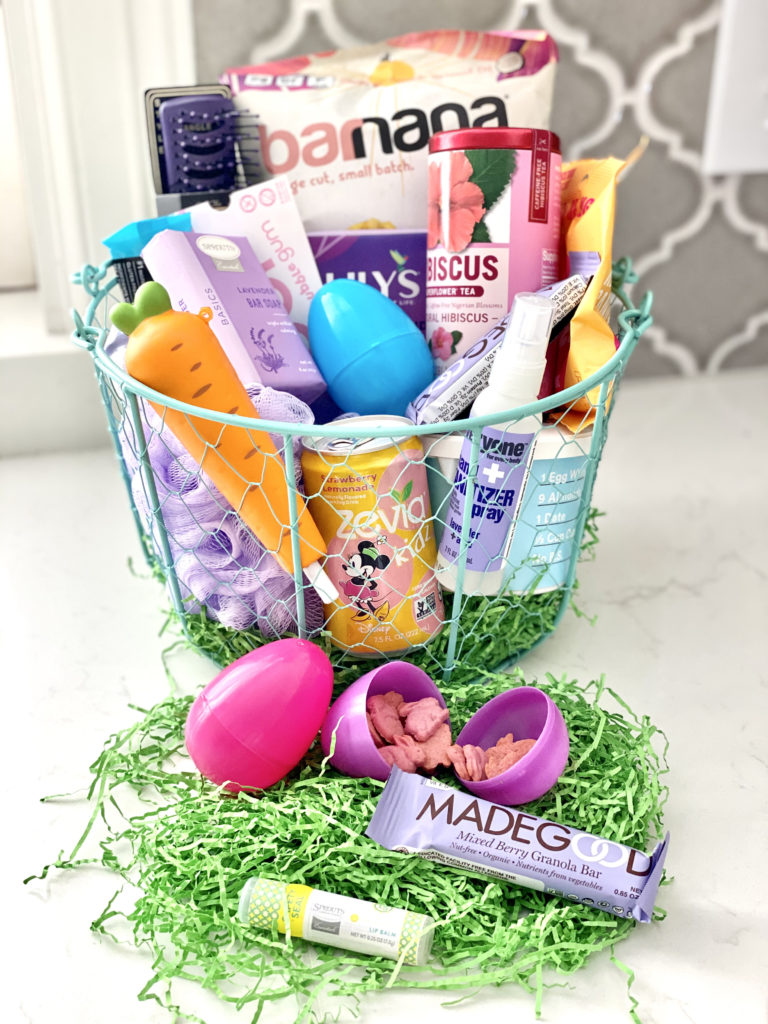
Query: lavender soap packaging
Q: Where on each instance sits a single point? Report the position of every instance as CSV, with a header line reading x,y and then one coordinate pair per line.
x,y
249,319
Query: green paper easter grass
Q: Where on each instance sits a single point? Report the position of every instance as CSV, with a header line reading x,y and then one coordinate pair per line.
x,y
493,632
187,849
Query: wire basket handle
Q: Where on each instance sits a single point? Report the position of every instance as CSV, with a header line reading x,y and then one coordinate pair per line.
x,y
637,320
86,335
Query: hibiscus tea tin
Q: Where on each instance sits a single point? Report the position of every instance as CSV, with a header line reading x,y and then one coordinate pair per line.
x,y
493,229
370,500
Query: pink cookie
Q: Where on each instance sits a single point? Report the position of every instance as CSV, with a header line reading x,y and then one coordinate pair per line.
x,y
475,760
436,748
384,717
406,706
372,730
413,749
505,743
522,747
398,756
422,717
457,759
496,761
499,760
495,755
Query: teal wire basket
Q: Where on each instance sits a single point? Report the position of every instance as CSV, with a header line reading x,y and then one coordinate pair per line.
x,y
228,593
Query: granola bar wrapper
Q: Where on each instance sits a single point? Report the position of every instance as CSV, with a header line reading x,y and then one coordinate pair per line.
x,y
419,815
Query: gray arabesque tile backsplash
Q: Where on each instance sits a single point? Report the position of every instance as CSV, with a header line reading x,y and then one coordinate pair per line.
x,y
626,70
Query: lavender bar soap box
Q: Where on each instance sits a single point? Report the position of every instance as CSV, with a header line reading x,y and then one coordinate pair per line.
x,y
392,261
249,318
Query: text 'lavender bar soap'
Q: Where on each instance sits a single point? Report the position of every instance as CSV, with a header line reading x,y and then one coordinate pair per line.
x,y
419,815
249,319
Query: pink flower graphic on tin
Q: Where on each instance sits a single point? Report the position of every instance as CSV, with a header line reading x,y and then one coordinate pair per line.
x,y
465,204
441,343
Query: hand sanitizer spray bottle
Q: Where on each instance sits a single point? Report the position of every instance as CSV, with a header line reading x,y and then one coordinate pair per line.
x,y
502,459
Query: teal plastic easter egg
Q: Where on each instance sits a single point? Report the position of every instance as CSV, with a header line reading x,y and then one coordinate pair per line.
x,y
372,355
255,721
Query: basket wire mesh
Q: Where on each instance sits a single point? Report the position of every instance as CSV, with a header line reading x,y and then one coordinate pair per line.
x,y
390,491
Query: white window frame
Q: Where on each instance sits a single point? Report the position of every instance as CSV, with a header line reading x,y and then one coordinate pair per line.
x,y
79,70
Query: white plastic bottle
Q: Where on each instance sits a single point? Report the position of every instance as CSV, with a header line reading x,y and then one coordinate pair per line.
x,y
504,456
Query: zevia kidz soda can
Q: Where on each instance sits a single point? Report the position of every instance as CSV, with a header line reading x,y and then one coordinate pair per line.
x,y
370,501
493,229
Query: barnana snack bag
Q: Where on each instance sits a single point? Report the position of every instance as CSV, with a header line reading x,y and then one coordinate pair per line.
x,y
588,212
350,128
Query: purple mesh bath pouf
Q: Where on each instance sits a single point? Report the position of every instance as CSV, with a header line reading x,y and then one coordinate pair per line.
x,y
219,564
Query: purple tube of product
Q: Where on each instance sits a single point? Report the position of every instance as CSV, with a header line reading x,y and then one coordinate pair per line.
x,y
419,815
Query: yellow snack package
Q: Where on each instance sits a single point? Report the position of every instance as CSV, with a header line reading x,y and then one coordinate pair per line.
x,y
588,210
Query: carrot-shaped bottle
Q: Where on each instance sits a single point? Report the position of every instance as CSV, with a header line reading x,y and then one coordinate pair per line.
x,y
178,355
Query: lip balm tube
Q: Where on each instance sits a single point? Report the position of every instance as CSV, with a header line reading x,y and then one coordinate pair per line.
x,y
456,388
178,355
444,825
334,920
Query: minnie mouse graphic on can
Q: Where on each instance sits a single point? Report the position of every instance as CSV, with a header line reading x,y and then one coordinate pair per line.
x,y
361,587
370,501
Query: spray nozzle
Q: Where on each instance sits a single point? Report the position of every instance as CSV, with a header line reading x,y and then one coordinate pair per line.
x,y
523,351
529,325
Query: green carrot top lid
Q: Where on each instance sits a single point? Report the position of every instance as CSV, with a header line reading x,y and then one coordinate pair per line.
x,y
151,300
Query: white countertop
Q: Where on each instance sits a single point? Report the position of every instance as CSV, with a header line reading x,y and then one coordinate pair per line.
x,y
679,590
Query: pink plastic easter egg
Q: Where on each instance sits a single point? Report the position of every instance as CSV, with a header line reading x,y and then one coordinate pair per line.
x,y
255,721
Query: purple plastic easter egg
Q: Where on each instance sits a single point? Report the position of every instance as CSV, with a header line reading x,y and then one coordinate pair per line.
x,y
255,721
528,713
355,752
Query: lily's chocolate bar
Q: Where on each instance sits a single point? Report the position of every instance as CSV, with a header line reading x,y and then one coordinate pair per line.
x,y
442,824
392,261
